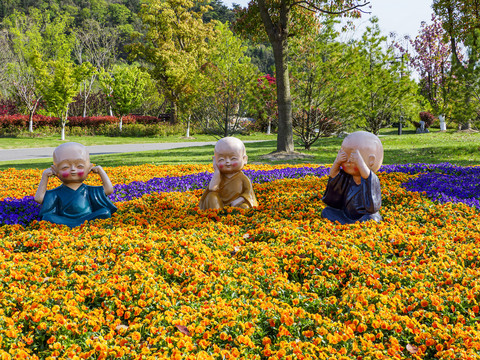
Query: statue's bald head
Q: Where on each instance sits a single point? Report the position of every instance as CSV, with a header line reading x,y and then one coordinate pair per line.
x,y
369,145
232,144
70,150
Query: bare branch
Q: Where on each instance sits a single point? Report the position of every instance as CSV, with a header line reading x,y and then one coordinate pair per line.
x,y
311,7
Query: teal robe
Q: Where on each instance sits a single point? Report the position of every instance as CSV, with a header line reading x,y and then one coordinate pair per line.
x,y
66,206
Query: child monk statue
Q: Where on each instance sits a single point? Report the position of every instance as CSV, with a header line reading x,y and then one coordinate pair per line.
x,y
73,202
229,186
353,191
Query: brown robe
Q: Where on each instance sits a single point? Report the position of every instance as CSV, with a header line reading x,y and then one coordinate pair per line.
x,y
229,189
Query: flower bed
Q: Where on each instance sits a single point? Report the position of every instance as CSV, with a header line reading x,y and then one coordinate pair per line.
x,y
162,279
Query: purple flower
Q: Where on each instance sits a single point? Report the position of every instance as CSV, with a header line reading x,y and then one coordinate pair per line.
x,y
440,182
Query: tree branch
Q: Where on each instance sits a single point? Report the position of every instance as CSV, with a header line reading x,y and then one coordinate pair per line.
x,y
311,7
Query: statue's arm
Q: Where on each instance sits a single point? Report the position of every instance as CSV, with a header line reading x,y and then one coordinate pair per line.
x,y
216,178
107,184
339,160
372,193
42,187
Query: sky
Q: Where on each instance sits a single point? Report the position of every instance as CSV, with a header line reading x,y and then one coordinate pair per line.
x,y
403,17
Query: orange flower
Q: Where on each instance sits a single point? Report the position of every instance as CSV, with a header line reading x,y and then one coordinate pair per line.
x,y
136,336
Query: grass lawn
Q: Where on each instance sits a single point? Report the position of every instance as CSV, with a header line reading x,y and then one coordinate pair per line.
x,y
459,148
49,141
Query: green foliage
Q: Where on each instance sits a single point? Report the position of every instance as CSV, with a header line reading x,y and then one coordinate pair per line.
x,y
42,33
118,14
59,83
321,68
262,104
262,57
461,22
229,77
217,11
175,46
465,85
382,89
125,86
39,42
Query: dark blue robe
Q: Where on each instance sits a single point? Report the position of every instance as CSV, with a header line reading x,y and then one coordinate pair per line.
x,y
348,202
66,206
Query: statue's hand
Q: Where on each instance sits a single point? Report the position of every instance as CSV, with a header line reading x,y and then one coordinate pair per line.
x,y
215,166
49,172
237,201
96,169
357,159
341,157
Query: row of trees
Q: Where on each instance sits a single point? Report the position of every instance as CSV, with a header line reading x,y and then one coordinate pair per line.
x,y
201,69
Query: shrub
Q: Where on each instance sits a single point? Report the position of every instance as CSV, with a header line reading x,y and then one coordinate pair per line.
x,y
97,104
7,107
310,125
91,121
426,117
139,130
146,119
135,125
13,121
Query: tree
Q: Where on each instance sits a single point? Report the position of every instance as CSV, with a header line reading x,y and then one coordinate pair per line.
x,y
431,60
6,58
59,83
459,18
217,11
29,38
461,21
282,19
320,66
262,56
229,77
125,87
175,45
97,45
262,104
383,86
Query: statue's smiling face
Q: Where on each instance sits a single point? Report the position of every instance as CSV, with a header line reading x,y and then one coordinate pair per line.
x,y
230,156
72,164
229,161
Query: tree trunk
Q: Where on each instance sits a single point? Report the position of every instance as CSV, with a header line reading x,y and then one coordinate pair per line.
x,y
269,127
278,33
188,127
120,123
284,99
64,119
226,121
85,98
173,113
30,121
